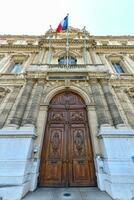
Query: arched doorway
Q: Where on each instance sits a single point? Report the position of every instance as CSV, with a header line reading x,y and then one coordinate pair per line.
x,y
67,157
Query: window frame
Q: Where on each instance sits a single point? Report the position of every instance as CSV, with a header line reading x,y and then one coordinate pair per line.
x,y
13,68
121,67
119,60
65,58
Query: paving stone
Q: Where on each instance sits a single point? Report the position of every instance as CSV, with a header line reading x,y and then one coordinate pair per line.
x,y
75,194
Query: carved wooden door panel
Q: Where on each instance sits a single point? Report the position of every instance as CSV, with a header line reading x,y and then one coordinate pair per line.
x,y
53,169
81,165
67,158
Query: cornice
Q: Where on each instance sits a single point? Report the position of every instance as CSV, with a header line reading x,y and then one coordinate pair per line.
x,y
19,47
62,44
115,47
109,37
20,79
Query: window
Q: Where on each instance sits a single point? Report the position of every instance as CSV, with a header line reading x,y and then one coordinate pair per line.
x,y
16,69
118,68
63,61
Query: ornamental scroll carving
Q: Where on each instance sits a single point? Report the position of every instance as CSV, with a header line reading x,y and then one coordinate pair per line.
x,y
55,144
130,92
3,92
77,116
79,142
57,116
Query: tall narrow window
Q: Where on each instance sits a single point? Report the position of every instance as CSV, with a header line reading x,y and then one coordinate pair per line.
x,y
63,61
17,68
118,68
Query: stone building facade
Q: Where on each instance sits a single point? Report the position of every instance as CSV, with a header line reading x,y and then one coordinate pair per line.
x,y
34,75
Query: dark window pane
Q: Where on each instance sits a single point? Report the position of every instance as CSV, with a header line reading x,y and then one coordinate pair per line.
x,y
118,68
71,61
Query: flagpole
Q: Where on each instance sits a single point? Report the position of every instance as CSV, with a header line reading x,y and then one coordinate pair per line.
x,y
49,52
67,44
85,57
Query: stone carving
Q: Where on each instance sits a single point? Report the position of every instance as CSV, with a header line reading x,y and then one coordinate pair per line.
x,y
57,116
130,92
3,92
77,116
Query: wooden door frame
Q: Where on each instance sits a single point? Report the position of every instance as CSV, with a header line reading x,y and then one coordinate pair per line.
x,y
88,103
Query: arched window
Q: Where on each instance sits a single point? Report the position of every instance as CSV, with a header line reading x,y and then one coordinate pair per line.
x,y
71,60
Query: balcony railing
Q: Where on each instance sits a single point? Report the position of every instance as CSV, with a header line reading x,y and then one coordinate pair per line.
x,y
69,68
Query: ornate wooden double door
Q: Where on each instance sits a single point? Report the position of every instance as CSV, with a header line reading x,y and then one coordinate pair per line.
x,y
67,158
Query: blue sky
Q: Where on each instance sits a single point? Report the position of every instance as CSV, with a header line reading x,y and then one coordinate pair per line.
x,y
101,17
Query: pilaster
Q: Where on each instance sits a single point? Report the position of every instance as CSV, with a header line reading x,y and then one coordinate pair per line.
x,y
20,109
100,108
10,102
116,117
34,108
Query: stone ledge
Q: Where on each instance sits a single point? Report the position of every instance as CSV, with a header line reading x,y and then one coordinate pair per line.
x,y
21,132
116,132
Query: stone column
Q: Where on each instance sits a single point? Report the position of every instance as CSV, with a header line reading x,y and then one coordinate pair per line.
x,y
116,117
34,108
92,119
35,59
99,61
100,107
41,121
10,102
106,63
5,62
130,62
127,107
130,94
20,109
95,57
89,60
41,56
128,68
28,62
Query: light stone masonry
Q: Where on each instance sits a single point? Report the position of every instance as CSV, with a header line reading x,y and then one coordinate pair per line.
x,y
25,96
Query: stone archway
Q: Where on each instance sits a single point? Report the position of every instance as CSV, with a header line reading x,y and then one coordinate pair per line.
x,y
67,155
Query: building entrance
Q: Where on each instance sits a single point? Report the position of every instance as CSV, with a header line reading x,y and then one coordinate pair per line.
x,y
67,157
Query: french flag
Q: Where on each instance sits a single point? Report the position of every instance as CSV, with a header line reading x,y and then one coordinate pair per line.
x,y
63,25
